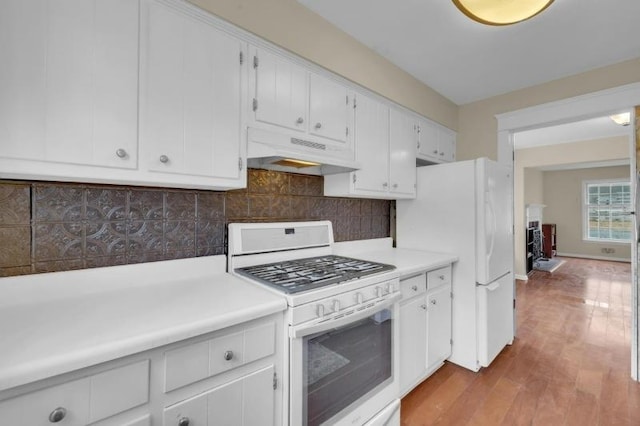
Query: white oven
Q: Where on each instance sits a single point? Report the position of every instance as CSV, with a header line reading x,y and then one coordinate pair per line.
x,y
344,370
342,322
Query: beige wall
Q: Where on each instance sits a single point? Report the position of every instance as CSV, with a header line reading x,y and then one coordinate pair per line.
x,y
563,197
554,155
477,128
294,27
533,188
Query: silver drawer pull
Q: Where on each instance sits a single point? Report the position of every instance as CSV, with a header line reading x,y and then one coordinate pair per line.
x,y
414,288
228,355
424,307
184,421
434,302
318,125
57,415
164,159
300,120
441,277
121,153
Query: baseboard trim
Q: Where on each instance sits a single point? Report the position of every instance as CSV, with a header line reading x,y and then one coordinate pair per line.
x,y
522,277
586,256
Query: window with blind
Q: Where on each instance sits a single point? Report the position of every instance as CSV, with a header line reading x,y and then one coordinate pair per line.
x,y
606,211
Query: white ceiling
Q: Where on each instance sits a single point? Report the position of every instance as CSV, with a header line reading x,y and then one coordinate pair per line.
x,y
595,128
466,61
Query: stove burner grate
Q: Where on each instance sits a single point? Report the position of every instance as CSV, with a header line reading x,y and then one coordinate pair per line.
x,y
298,275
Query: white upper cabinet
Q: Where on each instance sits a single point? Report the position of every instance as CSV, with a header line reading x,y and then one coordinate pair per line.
x,y
402,154
329,109
372,145
69,81
280,91
436,144
385,142
288,101
190,97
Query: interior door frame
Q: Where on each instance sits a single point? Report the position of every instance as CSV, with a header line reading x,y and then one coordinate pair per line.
x,y
596,104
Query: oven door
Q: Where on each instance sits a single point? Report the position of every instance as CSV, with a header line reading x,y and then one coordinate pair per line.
x,y
344,370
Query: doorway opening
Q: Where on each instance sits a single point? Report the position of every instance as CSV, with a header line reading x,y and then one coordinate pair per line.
x,y
572,193
598,104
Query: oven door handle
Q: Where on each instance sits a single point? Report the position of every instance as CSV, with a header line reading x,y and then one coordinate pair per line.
x,y
307,329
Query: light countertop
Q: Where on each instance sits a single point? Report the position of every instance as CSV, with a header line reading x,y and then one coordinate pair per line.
x,y
407,261
59,322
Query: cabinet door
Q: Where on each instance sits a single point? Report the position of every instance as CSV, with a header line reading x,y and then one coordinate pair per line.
x,y
446,145
372,145
190,97
69,81
193,410
413,342
439,325
427,139
328,109
402,154
248,401
281,89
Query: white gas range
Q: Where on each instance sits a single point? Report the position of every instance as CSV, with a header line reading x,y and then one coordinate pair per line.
x,y
341,321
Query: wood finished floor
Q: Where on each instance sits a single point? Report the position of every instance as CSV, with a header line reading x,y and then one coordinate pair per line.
x,y
569,363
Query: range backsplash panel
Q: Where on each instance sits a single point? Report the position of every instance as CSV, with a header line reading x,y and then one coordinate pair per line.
x,y
50,226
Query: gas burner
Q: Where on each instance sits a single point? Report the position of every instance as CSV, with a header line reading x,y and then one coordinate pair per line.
x,y
299,275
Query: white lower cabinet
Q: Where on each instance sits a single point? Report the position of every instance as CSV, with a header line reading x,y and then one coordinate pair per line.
x,y
228,377
83,401
425,326
438,326
246,401
413,342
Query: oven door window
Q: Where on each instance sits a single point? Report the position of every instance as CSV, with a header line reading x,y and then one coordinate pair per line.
x,y
344,364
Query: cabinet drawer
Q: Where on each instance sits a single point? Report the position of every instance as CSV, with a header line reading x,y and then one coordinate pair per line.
x,y
226,352
413,286
438,277
191,363
118,390
82,401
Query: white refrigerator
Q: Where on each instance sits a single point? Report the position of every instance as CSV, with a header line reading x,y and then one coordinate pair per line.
x,y
465,208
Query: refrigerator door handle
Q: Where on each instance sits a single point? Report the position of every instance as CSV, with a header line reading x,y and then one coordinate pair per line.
x,y
493,286
491,235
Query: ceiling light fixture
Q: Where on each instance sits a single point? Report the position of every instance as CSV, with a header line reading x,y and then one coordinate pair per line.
x,y
623,119
501,12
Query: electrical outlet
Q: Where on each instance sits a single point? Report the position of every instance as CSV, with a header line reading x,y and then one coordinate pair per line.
x,y
608,250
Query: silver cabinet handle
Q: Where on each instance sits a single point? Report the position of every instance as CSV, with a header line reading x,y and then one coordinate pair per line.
x,y
442,154
384,185
121,153
184,421
395,185
434,302
164,159
57,415
435,151
424,307
300,120
318,125
441,277
414,288
228,355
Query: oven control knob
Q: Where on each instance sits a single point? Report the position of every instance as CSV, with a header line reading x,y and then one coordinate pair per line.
x,y
320,310
378,291
336,305
359,298
389,288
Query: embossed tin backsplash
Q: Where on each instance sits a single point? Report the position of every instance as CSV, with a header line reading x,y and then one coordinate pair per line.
x,y
48,227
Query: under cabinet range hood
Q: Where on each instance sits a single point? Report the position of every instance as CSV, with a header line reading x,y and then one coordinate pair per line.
x,y
284,152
